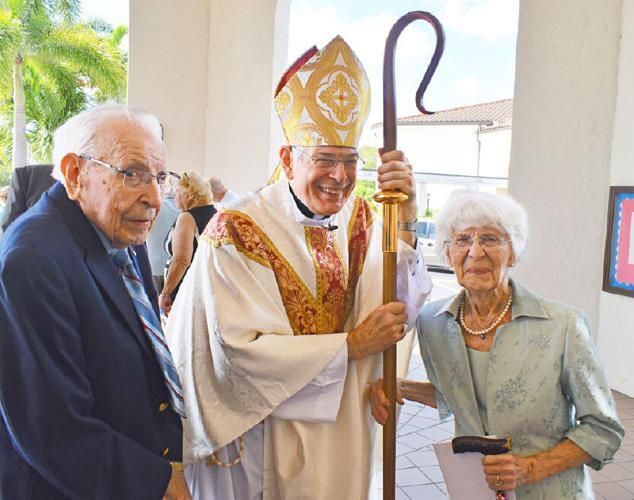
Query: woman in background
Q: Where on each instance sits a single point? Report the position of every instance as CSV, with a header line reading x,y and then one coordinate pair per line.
x,y
193,197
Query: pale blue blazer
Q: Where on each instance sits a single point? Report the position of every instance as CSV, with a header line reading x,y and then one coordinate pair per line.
x,y
545,383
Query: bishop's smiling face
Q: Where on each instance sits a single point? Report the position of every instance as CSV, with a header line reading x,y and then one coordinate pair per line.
x,y
323,191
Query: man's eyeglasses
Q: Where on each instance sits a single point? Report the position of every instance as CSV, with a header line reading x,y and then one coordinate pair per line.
x,y
464,241
328,164
138,179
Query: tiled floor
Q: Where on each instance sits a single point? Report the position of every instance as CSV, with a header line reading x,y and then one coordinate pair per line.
x,y
418,475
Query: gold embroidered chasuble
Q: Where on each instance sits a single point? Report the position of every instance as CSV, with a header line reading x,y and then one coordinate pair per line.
x,y
247,333
326,310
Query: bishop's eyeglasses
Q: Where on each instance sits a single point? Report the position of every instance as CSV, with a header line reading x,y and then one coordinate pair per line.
x,y
328,163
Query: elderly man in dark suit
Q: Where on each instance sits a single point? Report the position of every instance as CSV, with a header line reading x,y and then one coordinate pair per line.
x,y
28,183
90,403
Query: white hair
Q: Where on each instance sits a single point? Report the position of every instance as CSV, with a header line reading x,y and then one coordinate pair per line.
x,y
465,209
80,133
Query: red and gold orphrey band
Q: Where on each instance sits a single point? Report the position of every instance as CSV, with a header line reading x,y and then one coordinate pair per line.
x,y
308,314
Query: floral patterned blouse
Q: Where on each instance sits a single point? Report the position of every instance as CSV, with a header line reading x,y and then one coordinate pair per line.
x,y
545,383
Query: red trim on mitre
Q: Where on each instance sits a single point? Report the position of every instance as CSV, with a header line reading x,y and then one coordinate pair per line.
x,y
294,68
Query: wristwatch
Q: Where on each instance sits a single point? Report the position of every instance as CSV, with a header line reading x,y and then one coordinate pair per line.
x,y
177,466
410,225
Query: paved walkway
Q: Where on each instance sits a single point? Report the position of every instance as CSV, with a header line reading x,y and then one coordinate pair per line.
x,y
418,475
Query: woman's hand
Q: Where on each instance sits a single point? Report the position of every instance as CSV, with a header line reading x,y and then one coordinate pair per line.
x,y
507,471
165,303
379,403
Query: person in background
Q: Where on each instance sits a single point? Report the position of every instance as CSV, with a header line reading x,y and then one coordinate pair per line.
x,y
221,195
4,195
156,240
194,200
508,362
28,183
90,401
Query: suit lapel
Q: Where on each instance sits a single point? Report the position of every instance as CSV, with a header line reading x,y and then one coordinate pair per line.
x,y
98,262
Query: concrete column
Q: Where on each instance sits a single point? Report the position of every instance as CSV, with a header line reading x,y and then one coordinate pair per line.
x,y
616,319
563,117
168,72
207,69
243,49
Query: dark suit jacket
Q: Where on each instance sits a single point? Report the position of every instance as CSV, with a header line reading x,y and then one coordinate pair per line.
x,y
27,186
81,393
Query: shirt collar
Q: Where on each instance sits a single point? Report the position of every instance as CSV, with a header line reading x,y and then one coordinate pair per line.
x,y
525,303
303,218
107,244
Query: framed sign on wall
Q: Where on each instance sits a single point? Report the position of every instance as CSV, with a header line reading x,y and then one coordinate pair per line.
x,y
618,260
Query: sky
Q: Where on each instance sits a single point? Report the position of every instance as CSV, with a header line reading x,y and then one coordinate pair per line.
x,y
114,11
478,64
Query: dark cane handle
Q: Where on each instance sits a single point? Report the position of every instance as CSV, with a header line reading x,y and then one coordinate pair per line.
x,y
484,445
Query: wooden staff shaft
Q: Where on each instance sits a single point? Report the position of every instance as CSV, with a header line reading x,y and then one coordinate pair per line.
x,y
390,200
389,385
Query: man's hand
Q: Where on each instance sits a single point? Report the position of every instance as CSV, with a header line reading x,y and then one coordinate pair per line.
x,y
379,403
165,303
218,189
177,487
383,327
395,173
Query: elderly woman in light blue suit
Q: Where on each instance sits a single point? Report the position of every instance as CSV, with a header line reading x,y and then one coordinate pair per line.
x,y
508,362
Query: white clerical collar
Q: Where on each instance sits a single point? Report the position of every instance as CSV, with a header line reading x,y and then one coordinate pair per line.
x,y
300,218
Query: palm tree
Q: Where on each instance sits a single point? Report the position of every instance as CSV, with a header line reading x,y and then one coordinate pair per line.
x,y
54,67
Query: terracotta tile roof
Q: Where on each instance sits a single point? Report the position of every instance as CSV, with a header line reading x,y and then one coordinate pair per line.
x,y
494,114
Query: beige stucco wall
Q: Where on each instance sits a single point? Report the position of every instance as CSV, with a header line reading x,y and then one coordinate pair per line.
x,y
242,66
571,141
567,61
206,68
616,312
168,72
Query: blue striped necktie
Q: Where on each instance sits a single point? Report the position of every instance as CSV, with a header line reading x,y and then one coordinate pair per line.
x,y
152,328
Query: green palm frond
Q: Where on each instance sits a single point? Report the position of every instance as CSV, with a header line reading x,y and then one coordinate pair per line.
x,y
66,66
51,97
5,147
100,26
36,29
69,10
11,40
43,75
117,35
89,54
28,10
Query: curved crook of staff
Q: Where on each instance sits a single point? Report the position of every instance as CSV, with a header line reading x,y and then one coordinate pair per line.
x,y
390,201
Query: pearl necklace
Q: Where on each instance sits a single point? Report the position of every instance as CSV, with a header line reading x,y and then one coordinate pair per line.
x,y
483,333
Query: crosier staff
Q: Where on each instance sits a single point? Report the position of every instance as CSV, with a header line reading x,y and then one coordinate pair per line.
x,y
390,201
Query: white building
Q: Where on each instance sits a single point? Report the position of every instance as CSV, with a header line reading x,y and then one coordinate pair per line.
x,y
465,147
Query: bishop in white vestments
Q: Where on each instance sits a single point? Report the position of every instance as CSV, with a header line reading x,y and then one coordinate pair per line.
x,y
279,324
